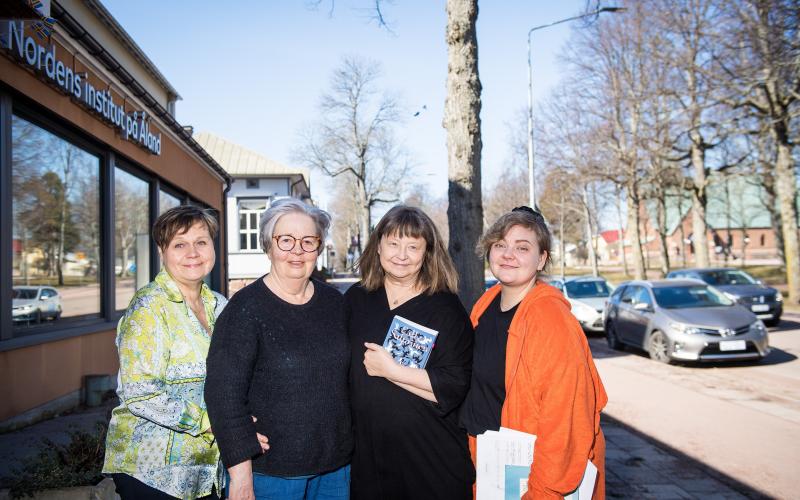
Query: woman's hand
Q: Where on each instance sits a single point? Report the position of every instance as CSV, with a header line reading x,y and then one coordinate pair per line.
x,y
378,362
241,487
262,439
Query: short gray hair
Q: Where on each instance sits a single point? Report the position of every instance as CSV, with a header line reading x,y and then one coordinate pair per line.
x,y
283,206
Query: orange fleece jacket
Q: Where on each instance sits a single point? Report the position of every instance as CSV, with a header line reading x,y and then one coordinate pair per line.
x,y
552,390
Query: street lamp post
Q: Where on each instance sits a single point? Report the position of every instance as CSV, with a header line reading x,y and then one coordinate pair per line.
x,y
531,177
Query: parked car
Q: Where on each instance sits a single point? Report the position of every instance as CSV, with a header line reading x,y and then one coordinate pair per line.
x,y
35,303
683,320
588,296
765,302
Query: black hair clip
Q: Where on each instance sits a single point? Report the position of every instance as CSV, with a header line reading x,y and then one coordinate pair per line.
x,y
536,214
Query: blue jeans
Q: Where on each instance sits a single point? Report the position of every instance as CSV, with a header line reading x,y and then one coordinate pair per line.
x,y
334,485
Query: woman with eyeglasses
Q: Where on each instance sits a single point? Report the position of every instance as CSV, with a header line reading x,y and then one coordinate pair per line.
x,y
280,353
532,369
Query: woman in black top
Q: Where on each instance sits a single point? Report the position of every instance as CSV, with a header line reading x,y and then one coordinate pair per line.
x,y
280,354
407,440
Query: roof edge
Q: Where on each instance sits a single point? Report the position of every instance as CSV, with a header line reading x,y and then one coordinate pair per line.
x,y
123,37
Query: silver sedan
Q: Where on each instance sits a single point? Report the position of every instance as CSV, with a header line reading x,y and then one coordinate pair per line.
x,y
683,320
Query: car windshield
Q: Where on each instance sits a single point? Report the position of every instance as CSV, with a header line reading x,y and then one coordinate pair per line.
x,y
23,293
587,289
676,297
727,277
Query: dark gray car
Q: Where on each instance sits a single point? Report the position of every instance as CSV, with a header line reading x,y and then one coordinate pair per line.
x,y
683,320
764,301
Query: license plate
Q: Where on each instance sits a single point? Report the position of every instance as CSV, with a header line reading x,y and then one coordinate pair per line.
x,y
732,345
760,307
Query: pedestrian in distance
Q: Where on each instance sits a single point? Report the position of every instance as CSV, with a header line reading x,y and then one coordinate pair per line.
x,y
407,440
532,369
280,353
160,443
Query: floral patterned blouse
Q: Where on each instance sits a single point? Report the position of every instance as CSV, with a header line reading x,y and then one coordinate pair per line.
x,y
156,434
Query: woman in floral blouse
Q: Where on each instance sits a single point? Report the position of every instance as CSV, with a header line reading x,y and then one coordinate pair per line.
x,y
160,443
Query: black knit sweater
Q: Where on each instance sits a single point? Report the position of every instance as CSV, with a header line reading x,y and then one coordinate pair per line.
x,y
287,365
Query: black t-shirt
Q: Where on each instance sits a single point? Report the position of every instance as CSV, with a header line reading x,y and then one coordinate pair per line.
x,y
484,403
405,446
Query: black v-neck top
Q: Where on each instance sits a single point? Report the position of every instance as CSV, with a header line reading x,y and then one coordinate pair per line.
x,y
406,446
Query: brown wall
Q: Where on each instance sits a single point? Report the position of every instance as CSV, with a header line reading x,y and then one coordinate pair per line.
x,y
35,375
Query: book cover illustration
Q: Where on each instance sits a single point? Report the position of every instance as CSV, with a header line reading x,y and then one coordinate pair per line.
x,y
409,343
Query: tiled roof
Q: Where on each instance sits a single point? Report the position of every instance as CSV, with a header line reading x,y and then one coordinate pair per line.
x,y
239,161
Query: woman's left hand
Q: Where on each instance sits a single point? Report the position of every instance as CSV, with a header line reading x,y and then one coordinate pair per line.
x,y
378,362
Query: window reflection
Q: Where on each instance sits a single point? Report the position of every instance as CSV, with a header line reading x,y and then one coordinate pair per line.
x,y
56,227
132,237
166,201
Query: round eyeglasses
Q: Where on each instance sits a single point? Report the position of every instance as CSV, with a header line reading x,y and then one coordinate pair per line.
x,y
287,243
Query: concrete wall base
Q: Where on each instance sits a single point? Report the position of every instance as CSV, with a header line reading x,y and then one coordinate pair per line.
x,y
43,412
104,490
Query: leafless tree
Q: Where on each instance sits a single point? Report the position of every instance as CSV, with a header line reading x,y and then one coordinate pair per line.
x,y
463,125
355,139
610,64
763,66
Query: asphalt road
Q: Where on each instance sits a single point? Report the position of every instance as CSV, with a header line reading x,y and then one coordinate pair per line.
x,y
740,419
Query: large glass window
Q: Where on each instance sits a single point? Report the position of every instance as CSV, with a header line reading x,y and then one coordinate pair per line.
x,y
56,227
167,201
132,235
249,213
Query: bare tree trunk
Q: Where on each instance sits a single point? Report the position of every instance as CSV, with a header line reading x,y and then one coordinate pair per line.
x,y
699,227
661,231
633,235
363,214
588,215
684,259
787,198
463,126
620,238
771,204
562,246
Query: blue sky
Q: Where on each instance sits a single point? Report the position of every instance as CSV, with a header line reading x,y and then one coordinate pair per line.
x,y
253,71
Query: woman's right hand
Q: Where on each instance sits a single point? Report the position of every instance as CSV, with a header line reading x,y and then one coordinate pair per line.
x,y
241,484
262,439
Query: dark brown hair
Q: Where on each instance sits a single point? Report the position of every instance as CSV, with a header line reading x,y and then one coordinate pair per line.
x,y
437,273
180,219
520,216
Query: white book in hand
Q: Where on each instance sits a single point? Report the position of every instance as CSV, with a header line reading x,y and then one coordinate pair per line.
x,y
409,343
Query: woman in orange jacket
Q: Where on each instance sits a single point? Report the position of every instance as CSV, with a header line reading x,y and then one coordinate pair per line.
x,y
532,368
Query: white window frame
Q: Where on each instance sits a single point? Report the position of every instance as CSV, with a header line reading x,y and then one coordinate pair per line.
x,y
249,231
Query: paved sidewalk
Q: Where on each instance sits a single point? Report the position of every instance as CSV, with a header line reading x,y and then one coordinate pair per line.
x,y
636,465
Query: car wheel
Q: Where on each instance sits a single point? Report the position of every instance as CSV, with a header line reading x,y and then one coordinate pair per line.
x,y
612,339
37,318
658,347
773,321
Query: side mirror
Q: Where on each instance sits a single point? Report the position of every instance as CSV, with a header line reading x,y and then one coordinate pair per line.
x,y
641,306
759,282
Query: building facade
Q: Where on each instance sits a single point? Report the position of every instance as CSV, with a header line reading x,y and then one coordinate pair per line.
x,y
257,181
90,154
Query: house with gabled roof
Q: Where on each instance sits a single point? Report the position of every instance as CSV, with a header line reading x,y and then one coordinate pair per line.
x,y
257,182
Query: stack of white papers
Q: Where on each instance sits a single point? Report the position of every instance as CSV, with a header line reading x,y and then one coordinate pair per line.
x,y
504,464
